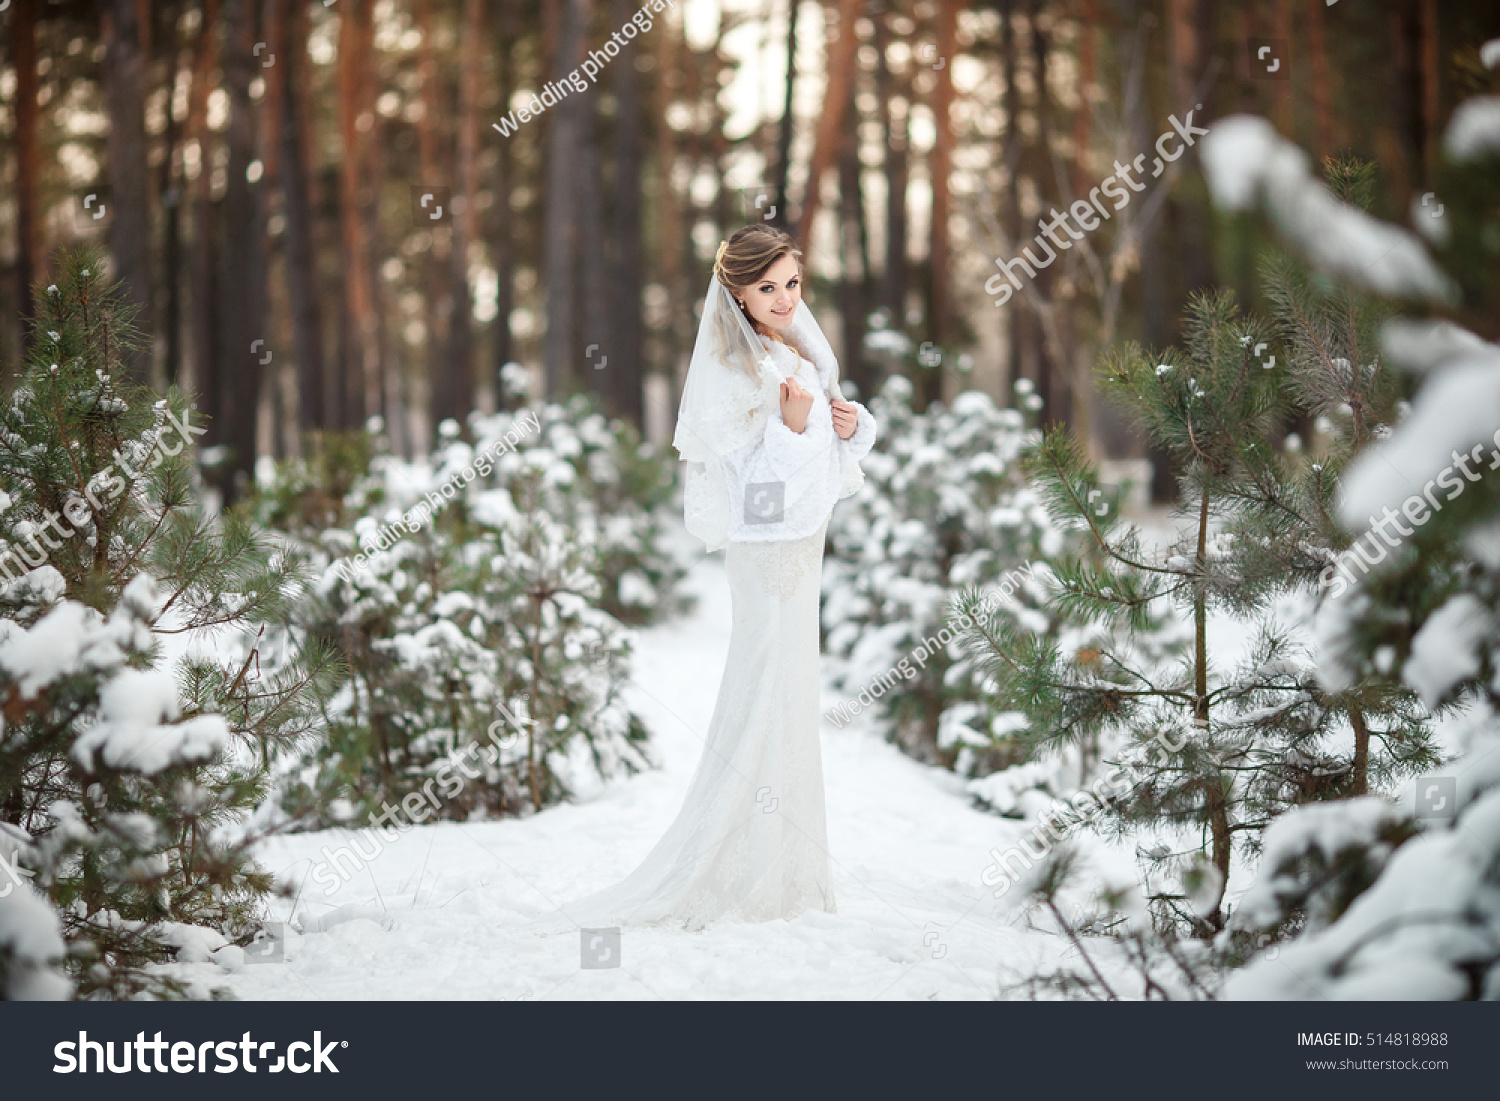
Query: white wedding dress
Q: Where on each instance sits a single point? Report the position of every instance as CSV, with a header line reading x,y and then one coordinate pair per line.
x,y
750,842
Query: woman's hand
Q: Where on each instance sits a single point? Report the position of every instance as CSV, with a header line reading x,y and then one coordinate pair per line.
x,y
845,419
796,403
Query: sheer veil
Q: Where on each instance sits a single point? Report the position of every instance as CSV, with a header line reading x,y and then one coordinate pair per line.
x,y
731,389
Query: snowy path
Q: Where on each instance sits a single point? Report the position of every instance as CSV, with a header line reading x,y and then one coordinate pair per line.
x,y
444,907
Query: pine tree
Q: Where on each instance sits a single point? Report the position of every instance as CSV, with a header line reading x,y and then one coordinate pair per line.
x,y
119,768
486,621
945,506
1402,896
1206,749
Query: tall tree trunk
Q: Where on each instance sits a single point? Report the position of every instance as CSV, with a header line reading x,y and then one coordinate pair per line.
x,y
1247,87
171,204
503,248
593,276
300,236
1183,40
623,378
560,233
436,286
29,261
361,359
465,216
1430,67
842,43
1054,365
853,255
279,434
938,307
669,215
389,381
203,301
1322,91
1281,95
1405,137
788,124
243,270
1010,208
125,100
716,138
894,133
1088,22
1191,42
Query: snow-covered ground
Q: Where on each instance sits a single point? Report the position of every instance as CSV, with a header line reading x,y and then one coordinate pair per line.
x,y
448,910
443,912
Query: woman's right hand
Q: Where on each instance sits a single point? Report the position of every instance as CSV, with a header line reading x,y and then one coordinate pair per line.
x,y
796,403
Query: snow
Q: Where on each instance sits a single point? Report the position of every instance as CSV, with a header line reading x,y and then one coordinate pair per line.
x,y
1326,828
442,912
30,935
1457,410
52,648
135,728
1474,130
1416,931
327,922
1004,790
636,590
956,726
1246,161
231,957
1423,345
1407,937
42,586
194,943
1446,650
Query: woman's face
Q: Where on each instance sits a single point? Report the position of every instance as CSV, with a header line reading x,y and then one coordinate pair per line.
x,y
772,303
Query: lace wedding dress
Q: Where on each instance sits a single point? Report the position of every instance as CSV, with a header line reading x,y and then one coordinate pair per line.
x,y
750,842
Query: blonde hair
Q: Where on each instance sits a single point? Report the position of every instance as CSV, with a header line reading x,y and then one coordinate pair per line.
x,y
743,260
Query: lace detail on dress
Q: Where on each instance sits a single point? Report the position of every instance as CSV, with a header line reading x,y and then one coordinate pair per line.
x,y
782,566
750,842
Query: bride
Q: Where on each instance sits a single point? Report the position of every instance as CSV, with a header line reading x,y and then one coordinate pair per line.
x,y
770,446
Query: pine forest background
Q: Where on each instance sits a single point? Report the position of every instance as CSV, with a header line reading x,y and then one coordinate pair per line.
x,y
260,167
